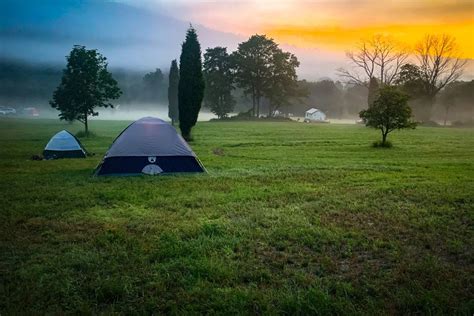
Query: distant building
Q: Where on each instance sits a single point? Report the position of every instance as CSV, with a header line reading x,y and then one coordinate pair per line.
x,y
314,115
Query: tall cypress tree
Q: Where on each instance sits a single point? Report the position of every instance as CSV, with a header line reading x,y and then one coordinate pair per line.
x,y
191,83
173,111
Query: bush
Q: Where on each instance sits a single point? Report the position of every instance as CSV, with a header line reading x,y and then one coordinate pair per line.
x,y
380,144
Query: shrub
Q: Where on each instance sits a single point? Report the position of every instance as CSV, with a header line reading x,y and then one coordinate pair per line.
x,y
381,144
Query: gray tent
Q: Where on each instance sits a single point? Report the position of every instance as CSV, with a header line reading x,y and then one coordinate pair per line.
x,y
151,146
64,145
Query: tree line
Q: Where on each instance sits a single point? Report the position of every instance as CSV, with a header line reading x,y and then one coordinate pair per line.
x,y
32,85
86,84
26,84
266,75
393,79
259,69
431,69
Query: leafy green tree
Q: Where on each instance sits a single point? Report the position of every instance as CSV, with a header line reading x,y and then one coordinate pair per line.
x,y
191,83
410,82
373,91
173,110
252,62
218,78
283,82
154,86
390,111
85,85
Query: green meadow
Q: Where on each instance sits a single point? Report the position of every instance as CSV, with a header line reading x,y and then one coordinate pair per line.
x,y
291,219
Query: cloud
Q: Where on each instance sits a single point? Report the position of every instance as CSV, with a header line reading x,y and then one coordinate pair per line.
x,y
343,38
245,14
332,24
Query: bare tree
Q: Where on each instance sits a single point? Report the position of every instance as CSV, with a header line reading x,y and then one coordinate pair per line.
x,y
379,57
440,62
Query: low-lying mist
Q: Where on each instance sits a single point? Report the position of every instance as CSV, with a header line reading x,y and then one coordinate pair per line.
x,y
131,112
135,114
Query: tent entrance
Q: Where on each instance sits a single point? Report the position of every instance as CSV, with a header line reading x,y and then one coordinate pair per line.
x,y
152,170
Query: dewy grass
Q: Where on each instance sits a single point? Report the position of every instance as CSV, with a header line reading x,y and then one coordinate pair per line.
x,y
82,134
380,144
291,219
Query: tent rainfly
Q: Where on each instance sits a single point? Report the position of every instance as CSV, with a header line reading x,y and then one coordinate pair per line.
x,y
150,146
64,145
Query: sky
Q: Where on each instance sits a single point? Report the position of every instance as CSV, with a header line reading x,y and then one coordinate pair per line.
x,y
333,25
146,34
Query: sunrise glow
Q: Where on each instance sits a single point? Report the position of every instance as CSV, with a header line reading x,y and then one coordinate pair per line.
x,y
332,25
342,38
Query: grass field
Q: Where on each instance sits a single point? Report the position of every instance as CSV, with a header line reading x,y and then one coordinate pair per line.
x,y
292,218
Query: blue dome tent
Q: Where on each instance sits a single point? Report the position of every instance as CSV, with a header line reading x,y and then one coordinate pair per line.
x,y
150,146
64,145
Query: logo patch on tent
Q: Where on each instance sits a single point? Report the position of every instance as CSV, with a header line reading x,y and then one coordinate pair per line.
x,y
152,159
152,170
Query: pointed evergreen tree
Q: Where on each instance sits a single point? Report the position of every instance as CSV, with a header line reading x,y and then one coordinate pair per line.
x,y
191,83
173,111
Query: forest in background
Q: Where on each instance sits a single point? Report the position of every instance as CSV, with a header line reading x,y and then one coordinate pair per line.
x,y
24,84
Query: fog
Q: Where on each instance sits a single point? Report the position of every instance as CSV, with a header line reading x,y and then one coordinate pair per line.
x,y
37,36
24,85
43,32
130,112
132,115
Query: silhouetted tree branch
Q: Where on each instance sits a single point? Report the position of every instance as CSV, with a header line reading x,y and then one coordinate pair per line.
x,y
379,57
439,62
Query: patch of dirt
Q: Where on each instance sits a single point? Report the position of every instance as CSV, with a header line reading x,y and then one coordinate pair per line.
x,y
218,151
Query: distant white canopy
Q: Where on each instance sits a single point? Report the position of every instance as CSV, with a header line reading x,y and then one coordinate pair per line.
x,y
314,114
313,110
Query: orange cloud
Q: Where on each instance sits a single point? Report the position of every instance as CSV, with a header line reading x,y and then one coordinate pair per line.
x,y
343,37
330,24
